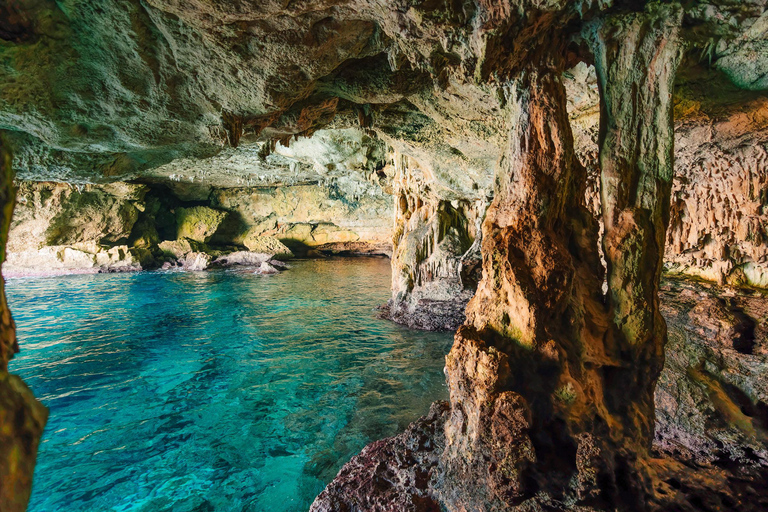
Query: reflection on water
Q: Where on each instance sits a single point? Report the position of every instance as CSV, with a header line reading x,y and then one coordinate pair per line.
x,y
222,390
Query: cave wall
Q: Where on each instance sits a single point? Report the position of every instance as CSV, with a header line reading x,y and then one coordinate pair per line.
x,y
120,226
719,203
436,251
22,417
208,93
313,215
712,396
718,207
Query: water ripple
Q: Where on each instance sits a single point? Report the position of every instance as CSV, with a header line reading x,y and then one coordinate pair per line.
x,y
214,391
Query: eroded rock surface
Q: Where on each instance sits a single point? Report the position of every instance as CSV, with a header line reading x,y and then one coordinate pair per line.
x,y
63,228
22,417
551,378
436,252
712,397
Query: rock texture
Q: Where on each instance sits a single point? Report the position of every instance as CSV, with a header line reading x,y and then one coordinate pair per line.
x,y
167,91
391,474
309,216
719,216
552,376
59,228
716,230
22,417
63,228
712,397
436,252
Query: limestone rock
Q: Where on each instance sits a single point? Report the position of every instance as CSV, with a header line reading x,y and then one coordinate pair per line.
x,y
267,268
341,210
83,258
430,247
188,254
194,261
177,248
551,378
22,417
253,259
391,474
198,223
712,397
266,244
60,214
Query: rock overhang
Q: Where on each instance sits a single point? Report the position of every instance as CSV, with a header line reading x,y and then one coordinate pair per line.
x,y
108,91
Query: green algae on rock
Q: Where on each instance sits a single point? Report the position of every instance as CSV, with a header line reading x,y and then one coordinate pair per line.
x,y
198,223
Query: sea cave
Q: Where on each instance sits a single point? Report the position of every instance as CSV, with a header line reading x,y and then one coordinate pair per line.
x,y
384,255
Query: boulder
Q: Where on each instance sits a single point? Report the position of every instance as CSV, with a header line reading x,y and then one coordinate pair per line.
x,y
266,268
267,245
189,255
198,223
245,258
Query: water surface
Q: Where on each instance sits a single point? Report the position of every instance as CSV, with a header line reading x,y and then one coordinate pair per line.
x,y
214,391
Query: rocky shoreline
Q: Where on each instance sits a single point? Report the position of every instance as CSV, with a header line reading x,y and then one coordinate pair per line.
x,y
125,227
710,450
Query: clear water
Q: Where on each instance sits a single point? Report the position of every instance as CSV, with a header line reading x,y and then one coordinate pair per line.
x,y
222,390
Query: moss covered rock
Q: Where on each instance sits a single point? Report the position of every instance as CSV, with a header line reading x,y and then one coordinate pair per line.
x,y
198,223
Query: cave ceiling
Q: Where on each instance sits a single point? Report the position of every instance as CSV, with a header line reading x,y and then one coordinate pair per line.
x,y
230,91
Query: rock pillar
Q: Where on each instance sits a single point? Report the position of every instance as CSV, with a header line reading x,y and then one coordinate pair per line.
x,y
551,380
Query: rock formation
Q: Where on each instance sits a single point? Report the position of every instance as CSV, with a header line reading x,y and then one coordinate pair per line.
x,y
712,398
526,152
62,228
435,256
22,417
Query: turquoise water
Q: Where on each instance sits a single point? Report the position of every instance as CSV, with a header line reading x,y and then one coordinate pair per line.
x,y
215,391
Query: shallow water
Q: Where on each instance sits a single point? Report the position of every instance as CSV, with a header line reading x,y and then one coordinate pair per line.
x,y
221,390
